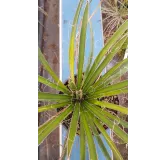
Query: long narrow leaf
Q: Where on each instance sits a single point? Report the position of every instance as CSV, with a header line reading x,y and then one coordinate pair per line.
x,y
110,105
73,128
44,62
113,79
52,124
108,58
108,139
116,76
97,136
82,46
44,125
112,117
82,139
115,118
72,85
117,86
43,96
52,106
118,131
72,40
105,94
91,145
91,51
64,150
122,29
48,83
110,72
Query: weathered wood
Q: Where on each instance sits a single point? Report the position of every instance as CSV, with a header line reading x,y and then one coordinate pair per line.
x,y
49,43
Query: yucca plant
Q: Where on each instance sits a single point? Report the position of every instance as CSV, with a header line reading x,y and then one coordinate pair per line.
x,y
82,98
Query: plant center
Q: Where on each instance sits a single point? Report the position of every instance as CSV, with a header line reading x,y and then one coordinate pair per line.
x,y
78,95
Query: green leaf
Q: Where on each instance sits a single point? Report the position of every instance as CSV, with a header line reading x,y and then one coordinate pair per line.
x,y
118,131
91,145
72,85
48,83
124,47
105,94
64,150
42,59
45,129
91,51
105,62
44,125
82,46
111,72
110,105
114,78
116,119
52,106
43,96
82,140
117,86
72,39
108,139
73,128
116,36
97,136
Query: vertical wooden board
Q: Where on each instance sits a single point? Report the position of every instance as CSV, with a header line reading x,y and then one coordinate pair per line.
x,y
49,44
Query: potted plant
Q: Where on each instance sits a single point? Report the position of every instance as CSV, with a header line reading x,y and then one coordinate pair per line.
x,y
82,97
